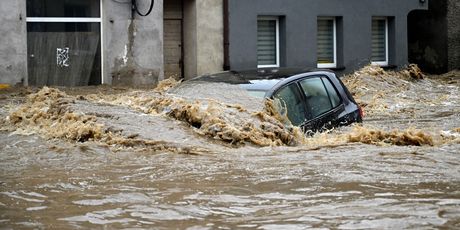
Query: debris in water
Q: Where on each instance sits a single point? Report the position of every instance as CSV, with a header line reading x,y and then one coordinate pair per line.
x,y
413,72
395,137
166,84
229,123
384,94
47,112
4,86
390,93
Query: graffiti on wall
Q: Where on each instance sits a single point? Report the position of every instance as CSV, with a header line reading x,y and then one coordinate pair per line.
x,y
62,57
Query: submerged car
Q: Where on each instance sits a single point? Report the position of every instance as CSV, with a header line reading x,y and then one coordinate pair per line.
x,y
312,100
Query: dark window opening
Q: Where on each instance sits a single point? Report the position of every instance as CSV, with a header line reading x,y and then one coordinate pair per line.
x,y
66,54
427,37
63,8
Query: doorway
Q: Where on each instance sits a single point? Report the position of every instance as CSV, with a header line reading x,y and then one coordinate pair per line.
x,y
427,37
173,39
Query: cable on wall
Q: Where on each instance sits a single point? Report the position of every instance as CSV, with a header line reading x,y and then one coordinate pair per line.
x,y
136,8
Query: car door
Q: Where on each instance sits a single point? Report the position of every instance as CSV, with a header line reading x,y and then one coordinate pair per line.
x,y
291,103
322,102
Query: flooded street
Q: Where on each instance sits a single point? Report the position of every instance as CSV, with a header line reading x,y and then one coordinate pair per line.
x,y
140,159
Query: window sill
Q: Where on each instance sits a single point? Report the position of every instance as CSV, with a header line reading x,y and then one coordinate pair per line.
x,y
267,66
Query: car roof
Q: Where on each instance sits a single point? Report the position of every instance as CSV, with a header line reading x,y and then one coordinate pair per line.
x,y
256,79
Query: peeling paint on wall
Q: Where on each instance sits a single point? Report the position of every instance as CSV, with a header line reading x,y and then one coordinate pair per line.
x,y
126,70
125,55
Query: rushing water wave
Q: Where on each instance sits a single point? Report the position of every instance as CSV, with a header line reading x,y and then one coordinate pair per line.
x,y
107,157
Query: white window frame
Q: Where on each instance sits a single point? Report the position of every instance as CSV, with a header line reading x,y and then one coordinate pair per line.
x,y
61,19
330,65
79,19
273,18
383,63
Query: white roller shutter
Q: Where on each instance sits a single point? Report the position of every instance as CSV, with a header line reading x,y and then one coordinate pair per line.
x,y
380,41
326,43
267,42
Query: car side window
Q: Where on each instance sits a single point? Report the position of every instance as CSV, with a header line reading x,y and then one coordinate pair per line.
x,y
333,95
289,98
317,96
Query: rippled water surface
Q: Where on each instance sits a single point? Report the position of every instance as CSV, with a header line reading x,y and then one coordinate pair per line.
x,y
199,182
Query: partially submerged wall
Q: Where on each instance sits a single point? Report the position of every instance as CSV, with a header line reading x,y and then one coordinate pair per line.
x,y
203,37
299,19
133,48
13,45
210,36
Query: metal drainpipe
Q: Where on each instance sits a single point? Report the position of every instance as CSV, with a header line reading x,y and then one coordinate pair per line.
x,y
226,39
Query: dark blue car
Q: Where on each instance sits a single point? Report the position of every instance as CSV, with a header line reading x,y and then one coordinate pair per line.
x,y
312,100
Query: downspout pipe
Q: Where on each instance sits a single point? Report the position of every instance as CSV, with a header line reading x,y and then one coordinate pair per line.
x,y
226,36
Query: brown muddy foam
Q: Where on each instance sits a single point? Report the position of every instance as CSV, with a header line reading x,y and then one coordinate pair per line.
x,y
166,84
229,123
371,86
374,136
217,121
47,112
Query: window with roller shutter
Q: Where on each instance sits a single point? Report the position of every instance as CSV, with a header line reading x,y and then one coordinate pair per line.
x,y
267,42
379,41
326,42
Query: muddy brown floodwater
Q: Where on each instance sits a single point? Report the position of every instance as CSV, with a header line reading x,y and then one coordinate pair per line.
x,y
184,158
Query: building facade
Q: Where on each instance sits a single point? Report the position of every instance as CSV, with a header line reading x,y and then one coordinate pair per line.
x,y
434,36
91,42
335,34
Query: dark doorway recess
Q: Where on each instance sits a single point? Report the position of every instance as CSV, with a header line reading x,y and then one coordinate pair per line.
x,y
173,39
427,37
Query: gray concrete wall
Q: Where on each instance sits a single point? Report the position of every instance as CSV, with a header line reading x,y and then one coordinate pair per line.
x,y
13,42
203,37
133,49
453,34
210,36
299,18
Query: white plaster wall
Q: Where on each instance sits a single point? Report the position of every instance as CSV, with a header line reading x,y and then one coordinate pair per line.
x,y
203,37
133,49
210,36
13,42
